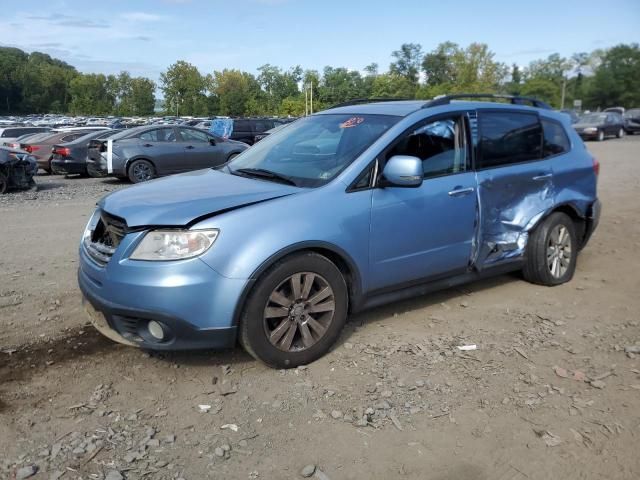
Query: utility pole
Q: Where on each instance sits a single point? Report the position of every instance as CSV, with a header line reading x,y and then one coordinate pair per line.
x,y
311,86
564,88
306,102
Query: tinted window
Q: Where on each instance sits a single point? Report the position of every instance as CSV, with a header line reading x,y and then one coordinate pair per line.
x,y
441,145
193,135
158,135
263,125
508,137
71,137
555,139
241,126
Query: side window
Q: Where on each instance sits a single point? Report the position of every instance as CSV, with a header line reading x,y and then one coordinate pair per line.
x,y
556,141
440,144
71,137
509,137
189,135
241,126
158,135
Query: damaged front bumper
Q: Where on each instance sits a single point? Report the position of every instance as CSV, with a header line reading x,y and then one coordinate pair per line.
x,y
191,304
17,170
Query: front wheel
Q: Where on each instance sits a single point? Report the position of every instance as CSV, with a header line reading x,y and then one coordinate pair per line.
x,y
552,251
141,171
4,183
295,312
620,133
600,136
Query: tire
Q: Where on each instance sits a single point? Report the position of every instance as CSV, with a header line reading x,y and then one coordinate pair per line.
x,y
4,183
600,136
620,133
552,251
141,171
265,325
232,156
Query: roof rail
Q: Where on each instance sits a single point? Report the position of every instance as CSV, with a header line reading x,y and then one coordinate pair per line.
x,y
515,100
358,101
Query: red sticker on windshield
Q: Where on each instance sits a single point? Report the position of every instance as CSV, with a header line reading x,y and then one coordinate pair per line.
x,y
352,122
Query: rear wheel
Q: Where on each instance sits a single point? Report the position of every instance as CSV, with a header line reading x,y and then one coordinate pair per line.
x,y
620,133
4,183
552,251
141,171
600,136
295,312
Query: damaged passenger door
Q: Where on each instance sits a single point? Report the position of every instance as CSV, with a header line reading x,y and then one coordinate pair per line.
x,y
425,232
515,182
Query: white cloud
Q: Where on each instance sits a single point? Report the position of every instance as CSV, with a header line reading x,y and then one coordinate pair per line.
x,y
141,17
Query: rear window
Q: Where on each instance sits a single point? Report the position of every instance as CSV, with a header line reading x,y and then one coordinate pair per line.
x,y
509,137
18,132
556,141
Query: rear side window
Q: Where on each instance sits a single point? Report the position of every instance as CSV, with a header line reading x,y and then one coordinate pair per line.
x,y
189,135
509,137
241,126
556,141
158,135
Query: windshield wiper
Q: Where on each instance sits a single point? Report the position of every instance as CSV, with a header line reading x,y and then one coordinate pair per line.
x,y
266,174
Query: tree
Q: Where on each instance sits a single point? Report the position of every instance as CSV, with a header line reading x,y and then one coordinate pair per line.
x,y
339,85
389,85
438,65
278,85
237,92
184,89
90,95
407,62
615,81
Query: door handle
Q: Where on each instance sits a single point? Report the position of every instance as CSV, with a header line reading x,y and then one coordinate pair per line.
x,y
147,145
543,176
190,147
458,192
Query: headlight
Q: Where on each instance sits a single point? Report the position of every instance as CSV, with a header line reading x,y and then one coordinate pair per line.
x,y
174,244
590,130
91,226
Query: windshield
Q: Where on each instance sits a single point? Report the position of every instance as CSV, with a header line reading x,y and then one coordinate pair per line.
x,y
313,150
594,118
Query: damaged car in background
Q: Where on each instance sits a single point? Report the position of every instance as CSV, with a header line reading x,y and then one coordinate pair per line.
x,y
350,208
17,169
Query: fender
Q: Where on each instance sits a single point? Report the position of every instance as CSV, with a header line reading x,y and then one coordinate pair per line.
x,y
355,286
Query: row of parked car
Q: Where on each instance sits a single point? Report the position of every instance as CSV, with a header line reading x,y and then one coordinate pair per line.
x,y
611,122
137,154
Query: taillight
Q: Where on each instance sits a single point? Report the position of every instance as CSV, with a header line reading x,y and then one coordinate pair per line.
x,y
596,166
62,151
31,148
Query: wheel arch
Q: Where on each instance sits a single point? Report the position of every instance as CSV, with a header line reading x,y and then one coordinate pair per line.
x,y
579,219
341,259
133,159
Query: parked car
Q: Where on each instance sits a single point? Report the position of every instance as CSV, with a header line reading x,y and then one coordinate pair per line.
x,y
15,144
271,131
71,157
17,169
40,147
143,153
279,245
246,129
598,126
8,135
632,117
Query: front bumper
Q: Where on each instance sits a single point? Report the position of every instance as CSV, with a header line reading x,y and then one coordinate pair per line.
x,y
68,167
194,305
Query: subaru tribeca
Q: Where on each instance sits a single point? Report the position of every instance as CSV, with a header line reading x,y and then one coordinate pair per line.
x,y
350,208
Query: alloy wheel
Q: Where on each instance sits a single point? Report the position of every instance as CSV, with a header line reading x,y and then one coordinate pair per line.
x,y
142,172
559,251
299,312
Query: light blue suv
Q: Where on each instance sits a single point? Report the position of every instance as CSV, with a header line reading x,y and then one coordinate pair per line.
x,y
353,207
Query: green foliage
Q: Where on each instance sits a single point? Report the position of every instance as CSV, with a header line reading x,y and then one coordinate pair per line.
x,y
37,83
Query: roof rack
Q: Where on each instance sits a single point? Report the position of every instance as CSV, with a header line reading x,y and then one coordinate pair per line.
x,y
515,100
358,101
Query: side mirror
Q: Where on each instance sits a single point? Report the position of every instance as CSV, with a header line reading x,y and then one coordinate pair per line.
x,y
212,142
402,171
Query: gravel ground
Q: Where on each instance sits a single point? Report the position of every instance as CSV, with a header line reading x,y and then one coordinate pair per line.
x,y
550,392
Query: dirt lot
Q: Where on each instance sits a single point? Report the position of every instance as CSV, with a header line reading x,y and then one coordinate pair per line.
x,y
550,392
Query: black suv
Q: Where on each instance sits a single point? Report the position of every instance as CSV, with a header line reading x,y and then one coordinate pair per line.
x,y
246,129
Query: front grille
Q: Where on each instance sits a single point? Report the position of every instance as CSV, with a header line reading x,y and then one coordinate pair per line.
x,y
105,238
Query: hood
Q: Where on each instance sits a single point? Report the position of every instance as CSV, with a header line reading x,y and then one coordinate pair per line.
x,y
180,199
580,126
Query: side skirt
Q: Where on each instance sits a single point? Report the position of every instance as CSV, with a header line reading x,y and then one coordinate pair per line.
x,y
416,289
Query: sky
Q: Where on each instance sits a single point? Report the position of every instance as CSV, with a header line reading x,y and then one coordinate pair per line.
x,y
144,37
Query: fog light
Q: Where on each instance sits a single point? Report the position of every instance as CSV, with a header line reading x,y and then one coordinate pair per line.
x,y
156,330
